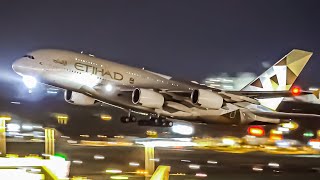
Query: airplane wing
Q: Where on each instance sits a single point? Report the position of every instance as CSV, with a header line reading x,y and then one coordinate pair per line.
x,y
284,115
267,94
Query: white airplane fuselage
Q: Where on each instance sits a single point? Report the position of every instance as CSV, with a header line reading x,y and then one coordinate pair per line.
x,y
111,83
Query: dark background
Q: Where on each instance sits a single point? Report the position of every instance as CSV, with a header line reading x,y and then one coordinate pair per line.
x,y
182,38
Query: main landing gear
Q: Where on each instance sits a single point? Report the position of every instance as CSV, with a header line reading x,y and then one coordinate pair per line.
x,y
160,122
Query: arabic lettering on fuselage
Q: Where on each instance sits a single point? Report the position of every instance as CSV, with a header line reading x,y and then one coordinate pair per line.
x,y
98,71
63,62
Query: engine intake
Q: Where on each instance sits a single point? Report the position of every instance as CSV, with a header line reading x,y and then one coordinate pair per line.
x,y
147,98
78,98
206,99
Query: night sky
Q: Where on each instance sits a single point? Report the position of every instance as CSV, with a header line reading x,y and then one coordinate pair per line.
x,y
182,38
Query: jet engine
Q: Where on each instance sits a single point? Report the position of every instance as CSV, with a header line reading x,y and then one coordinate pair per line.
x,y
147,98
78,98
206,99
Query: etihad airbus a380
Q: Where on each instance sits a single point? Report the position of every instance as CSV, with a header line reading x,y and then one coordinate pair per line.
x,y
88,80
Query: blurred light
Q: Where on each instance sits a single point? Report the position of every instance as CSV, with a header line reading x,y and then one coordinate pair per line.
x,y
71,141
276,137
60,155
37,127
119,177
314,143
313,89
273,165
135,164
184,160
296,91
283,129
27,127
201,175
98,157
212,162
274,131
101,136
290,125
194,166
259,169
142,172
282,143
14,102
106,117
66,137
84,135
182,129
113,171
51,92
13,127
256,131
109,87
29,81
228,141
77,162
308,134
155,159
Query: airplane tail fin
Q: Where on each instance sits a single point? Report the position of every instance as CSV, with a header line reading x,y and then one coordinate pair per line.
x,y
161,173
281,75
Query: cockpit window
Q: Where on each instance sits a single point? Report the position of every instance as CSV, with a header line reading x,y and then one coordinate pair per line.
x,y
29,56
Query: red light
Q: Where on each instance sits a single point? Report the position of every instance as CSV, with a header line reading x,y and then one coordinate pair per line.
x,y
256,131
296,91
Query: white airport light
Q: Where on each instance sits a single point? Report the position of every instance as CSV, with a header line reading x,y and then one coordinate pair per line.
x,y
258,169
27,127
13,127
134,164
194,166
109,87
113,171
273,165
29,81
183,129
212,162
98,157
77,162
201,175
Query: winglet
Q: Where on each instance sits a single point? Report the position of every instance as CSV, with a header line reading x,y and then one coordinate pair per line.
x,y
162,173
281,75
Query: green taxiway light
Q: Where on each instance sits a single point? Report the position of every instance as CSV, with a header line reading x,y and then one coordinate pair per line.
x,y
308,134
61,155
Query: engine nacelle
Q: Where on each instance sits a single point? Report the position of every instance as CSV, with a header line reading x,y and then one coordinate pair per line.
x,y
147,98
78,98
206,99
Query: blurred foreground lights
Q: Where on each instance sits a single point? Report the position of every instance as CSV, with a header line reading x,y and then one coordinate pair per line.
x,y
273,165
119,177
155,159
109,87
212,162
134,164
29,81
257,169
77,162
184,160
228,141
5,118
27,127
13,127
201,175
194,166
113,171
98,157
182,129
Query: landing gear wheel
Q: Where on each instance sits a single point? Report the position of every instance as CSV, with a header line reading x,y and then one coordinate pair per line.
x,y
127,119
169,123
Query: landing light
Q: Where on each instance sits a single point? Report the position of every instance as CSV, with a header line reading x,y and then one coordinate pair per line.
x,y
109,87
29,81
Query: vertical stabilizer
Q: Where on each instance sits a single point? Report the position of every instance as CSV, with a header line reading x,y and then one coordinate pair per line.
x,y
282,75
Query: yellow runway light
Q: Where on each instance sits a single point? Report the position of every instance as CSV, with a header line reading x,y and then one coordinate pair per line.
x,y
106,117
